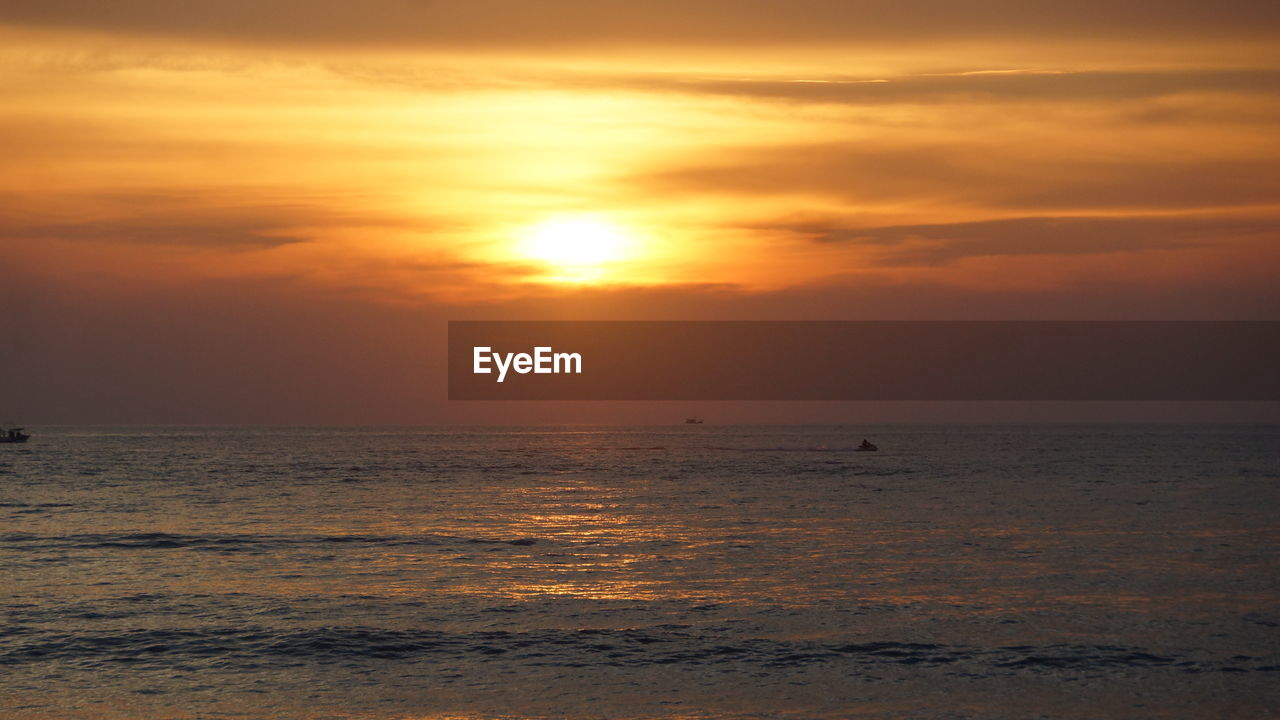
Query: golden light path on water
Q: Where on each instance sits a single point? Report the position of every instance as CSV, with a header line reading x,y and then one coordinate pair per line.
x,y
588,542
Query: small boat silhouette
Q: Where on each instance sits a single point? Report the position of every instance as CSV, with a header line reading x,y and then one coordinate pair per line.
x,y
693,421
13,435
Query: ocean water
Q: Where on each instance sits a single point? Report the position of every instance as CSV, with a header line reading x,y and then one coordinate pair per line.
x,y
673,572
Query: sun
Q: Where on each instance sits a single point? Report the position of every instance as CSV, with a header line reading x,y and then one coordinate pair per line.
x,y
575,249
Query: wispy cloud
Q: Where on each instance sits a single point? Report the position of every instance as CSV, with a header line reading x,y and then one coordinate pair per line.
x,y
977,86
937,244
981,172
516,23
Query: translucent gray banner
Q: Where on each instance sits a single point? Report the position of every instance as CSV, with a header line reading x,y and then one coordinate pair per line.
x,y
1131,361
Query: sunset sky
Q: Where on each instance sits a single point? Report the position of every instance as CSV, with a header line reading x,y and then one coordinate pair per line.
x,y
266,211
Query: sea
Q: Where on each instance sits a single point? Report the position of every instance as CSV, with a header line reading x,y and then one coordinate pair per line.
x,y
684,571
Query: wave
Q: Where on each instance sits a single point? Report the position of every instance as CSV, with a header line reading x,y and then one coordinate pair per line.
x,y
233,543
661,645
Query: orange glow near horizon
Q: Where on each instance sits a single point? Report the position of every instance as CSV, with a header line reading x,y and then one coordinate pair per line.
x,y
461,173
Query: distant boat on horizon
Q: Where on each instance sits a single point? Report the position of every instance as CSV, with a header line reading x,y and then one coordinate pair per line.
x,y
693,421
13,435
